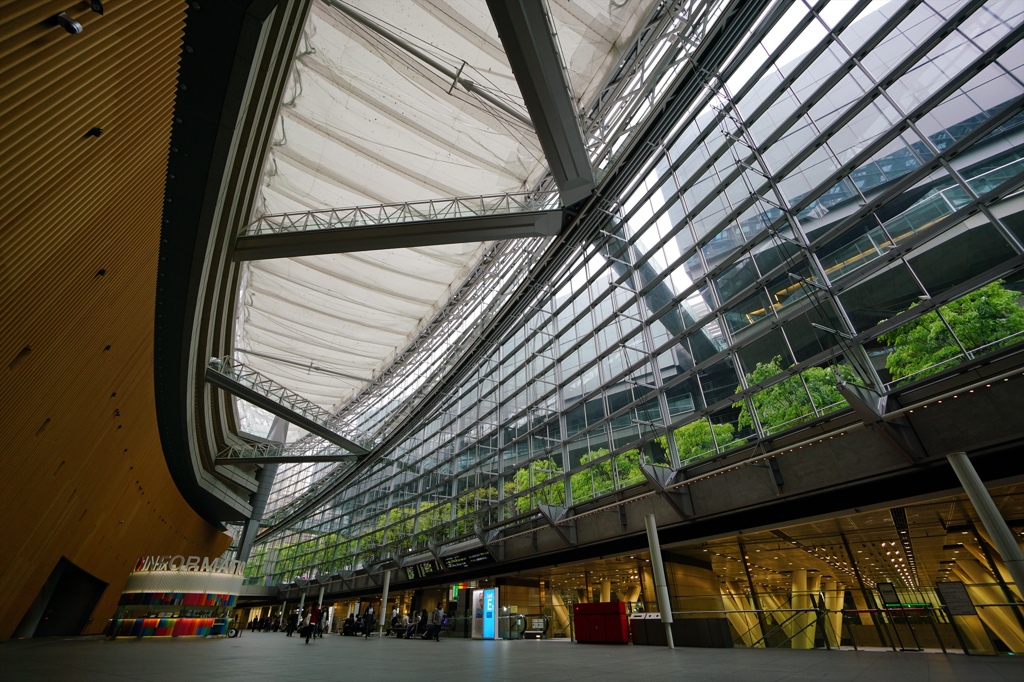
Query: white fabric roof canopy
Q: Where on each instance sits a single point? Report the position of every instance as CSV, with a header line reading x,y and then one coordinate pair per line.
x,y
366,122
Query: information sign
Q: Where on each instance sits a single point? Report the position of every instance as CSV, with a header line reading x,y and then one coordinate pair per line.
x,y
426,568
471,557
888,594
489,614
421,570
955,598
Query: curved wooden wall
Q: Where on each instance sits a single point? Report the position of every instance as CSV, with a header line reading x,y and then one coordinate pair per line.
x,y
82,474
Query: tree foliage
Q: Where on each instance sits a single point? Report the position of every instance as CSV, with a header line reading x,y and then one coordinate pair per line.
x,y
924,346
786,403
536,473
695,440
600,478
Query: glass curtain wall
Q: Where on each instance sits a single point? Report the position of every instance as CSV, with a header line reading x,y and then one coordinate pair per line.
x,y
847,185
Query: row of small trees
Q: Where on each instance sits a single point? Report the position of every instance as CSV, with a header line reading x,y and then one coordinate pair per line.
x,y
986,318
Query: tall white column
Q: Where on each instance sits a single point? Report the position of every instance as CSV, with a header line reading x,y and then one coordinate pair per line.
x,y
993,521
384,615
660,584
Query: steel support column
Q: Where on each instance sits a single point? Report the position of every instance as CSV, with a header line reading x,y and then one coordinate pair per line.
x,y
265,481
660,583
991,519
384,601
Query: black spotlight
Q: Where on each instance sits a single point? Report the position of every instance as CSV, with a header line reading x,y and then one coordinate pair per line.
x,y
68,24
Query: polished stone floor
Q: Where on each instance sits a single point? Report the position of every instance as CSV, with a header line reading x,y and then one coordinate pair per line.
x,y
257,657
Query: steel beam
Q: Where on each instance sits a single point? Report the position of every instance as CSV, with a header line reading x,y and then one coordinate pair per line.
x,y
229,384
528,37
311,242
256,459
304,450
265,478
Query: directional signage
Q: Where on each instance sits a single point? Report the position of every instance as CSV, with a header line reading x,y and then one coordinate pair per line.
x,y
468,558
887,591
421,570
955,598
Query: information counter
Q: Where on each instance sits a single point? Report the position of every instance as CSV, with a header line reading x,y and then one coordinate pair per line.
x,y
177,597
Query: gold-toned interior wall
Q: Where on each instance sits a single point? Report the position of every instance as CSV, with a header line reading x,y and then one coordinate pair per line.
x,y
83,474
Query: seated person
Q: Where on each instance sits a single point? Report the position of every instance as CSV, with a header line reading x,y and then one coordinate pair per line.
x,y
402,626
411,628
348,628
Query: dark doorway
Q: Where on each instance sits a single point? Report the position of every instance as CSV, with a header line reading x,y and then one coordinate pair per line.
x,y
64,603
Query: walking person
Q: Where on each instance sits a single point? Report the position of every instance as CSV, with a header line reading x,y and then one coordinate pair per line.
x,y
314,619
368,623
436,619
307,628
293,622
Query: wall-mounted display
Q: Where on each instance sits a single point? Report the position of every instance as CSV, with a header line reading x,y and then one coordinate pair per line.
x,y
467,558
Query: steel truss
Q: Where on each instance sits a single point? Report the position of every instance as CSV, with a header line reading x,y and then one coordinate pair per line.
x,y
432,356
403,213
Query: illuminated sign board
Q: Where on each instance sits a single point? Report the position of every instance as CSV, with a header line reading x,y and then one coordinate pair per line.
x,y
489,599
421,570
472,557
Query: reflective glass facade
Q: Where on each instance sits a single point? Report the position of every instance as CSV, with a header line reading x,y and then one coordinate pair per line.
x,y
851,168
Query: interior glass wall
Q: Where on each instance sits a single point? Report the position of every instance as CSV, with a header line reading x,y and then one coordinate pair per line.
x,y
841,199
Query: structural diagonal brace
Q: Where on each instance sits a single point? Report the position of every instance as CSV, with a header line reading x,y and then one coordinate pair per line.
x,y
871,407
222,380
661,478
553,515
529,40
